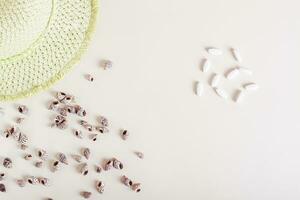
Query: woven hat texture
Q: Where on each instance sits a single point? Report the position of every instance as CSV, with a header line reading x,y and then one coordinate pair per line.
x,y
40,40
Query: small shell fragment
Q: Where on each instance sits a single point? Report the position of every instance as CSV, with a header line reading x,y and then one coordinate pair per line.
x,y
2,187
124,134
103,121
100,186
93,137
39,164
44,181
126,181
222,93
236,55
245,70
199,89
55,165
206,65
53,105
62,158
233,73
21,182
139,154
136,187
117,164
239,96
22,138
107,64
83,169
215,80
60,96
108,165
42,154
251,86
23,146
78,133
214,51
102,129
77,158
23,109
85,194
19,120
86,153
7,163
2,176
28,157
98,169
89,77
32,180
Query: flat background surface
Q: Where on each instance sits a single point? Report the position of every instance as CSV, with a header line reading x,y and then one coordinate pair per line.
x,y
195,148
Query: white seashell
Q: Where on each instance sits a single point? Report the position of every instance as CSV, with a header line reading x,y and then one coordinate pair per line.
x,y
214,51
232,73
215,80
206,65
251,86
236,55
199,88
245,70
239,96
222,93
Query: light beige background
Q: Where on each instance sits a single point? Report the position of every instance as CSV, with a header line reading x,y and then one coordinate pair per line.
x,y
195,148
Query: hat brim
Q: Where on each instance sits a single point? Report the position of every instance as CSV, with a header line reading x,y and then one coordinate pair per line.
x,y
56,51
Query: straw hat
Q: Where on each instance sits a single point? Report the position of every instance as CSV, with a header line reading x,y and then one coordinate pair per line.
x,y
40,40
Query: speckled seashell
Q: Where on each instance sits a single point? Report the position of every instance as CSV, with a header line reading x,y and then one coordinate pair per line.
x,y
19,120
32,180
2,187
60,122
23,109
68,99
28,157
107,64
62,111
23,146
7,163
139,154
102,129
117,164
12,131
42,154
22,138
136,187
60,96
44,181
2,176
124,134
93,137
100,186
77,158
98,169
21,182
83,122
53,105
103,121
55,165
86,153
85,194
70,109
38,164
88,127
62,158
108,165
78,133
83,169
126,181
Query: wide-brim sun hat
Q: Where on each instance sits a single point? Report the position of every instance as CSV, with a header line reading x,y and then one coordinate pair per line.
x,y
40,41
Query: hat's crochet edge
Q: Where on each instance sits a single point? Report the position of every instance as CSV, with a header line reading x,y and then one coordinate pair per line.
x,y
68,66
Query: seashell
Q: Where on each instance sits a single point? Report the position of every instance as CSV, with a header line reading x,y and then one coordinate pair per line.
x,y
215,80
28,157
60,122
102,129
199,88
22,109
98,169
89,77
117,164
214,51
236,55
85,194
19,120
60,96
88,127
107,64
108,165
42,154
53,105
21,182
100,186
68,99
2,176
251,86
233,73
239,96
44,181
139,154
32,180
70,109
55,165
7,163
245,70
22,138
23,146
103,121
93,137
77,158
78,133
222,93
62,158
63,111
126,181
124,134
86,153
83,169
2,187
136,187
39,164
206,65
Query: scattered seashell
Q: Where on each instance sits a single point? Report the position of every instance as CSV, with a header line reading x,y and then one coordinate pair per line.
x,y
206,65
108,165
78,133
22,138
55,165
19,120
32,180
23,109
236,55
136,187
86,153
98,169
245,70
251,86
77,158
23,146
93,137
62,158
239,96
68,99
214,51
63,111
60,122
42,154
28,157
124,134
139,154
79,111
126,181
60,96
89,77
44,181
117,164
100,186
233,73
107,64
215,80
21,182
53,105
7,163
83,169
103,121
39,164
2,176
222,93
85,194
102,129
2,187
199,89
